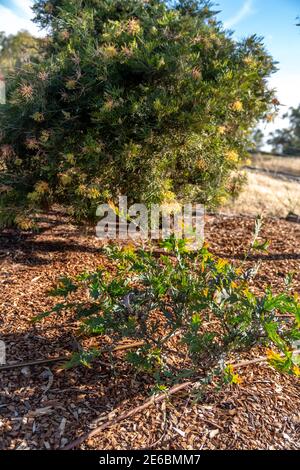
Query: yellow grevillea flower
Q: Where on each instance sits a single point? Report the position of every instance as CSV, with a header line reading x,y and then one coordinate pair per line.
x,y
232,377
6,151
109,104
169,196
18,161
81,190
222,200
109,51
44,136
65,179
196,74
70,158
271,117
26,91
126,51
201,164
273,356
222,130
249,61
71,84
221,263
64,34
236,379
43,76
32,144
232,156
133,27
41,187
296,371
38,117
24,223
237,106
93,193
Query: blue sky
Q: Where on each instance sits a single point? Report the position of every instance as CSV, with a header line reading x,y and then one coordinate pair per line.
x,y
273,19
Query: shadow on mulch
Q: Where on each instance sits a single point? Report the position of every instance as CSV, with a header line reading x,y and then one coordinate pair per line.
x,y
36,400
55,235
31,252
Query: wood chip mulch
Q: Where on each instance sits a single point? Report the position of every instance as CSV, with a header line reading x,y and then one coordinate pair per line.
x,y
42,407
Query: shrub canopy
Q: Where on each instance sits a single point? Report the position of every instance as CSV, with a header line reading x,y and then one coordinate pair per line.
x,y
145,98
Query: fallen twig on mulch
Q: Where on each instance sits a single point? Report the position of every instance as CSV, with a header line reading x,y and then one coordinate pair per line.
x,y
36,362
128,414
259,360
50,360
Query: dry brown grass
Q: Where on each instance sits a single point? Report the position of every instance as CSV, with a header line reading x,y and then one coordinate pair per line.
x,y
277,164
268,195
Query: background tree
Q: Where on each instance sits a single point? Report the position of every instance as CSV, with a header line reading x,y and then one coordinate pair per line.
x,y
17,50
287,141
146,98
258,138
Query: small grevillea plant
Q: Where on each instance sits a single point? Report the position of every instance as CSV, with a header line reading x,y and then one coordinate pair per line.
x,y
182,304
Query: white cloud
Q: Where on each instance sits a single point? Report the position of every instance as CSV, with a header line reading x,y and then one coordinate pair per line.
x,y
25,6
12,21
287,86
244,12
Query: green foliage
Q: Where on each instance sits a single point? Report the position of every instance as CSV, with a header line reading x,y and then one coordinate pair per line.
x,y
287,141
132,97
83,358
204,301
64,288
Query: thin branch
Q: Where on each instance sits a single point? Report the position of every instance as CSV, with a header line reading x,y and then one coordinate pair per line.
x,y
36,362
50,360
259,360
153,400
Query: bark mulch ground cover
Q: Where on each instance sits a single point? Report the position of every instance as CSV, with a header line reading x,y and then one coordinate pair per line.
x,y
43,407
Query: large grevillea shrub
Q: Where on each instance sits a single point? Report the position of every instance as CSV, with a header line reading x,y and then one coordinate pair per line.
x,y
150,99
192,312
